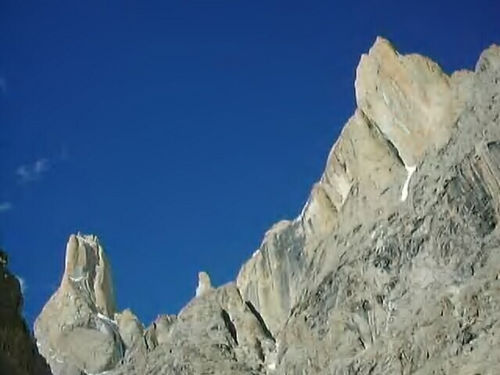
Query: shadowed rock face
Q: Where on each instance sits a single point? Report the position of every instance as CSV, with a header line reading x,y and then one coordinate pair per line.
x,y
18,352
392,267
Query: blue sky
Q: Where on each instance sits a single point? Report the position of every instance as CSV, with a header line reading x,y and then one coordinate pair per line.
x,y
179,131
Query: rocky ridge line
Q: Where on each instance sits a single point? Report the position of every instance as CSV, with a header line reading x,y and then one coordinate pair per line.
x,y
406,107
391,267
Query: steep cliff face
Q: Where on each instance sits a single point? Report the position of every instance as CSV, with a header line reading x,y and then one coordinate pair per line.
x,y
407,107
392,267
408,280
18,353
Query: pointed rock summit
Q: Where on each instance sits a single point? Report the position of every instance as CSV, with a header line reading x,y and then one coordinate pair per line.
x,y
204,284
86,264
75,330
410,100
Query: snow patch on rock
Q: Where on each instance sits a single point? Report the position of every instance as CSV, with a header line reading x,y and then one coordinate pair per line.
x,y
410,171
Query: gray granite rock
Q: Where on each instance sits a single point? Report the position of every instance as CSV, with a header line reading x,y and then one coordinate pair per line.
x,y
75,331
392,267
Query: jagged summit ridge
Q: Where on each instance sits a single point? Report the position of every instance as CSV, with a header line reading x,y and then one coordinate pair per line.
x,y
406,106
80,332
396,247
408,98
86,263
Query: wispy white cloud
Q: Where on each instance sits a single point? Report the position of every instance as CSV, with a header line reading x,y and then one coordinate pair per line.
x,y
41,166
5,206
33,172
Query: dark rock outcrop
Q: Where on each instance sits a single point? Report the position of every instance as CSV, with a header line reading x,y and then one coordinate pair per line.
x,y
18,352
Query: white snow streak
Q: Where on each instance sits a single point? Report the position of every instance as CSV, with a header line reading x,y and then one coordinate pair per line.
x,y
105,318
404,192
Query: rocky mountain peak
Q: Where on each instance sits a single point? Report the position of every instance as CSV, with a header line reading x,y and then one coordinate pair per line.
x,y
406,107
75,330
409,98
86,265
391,267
